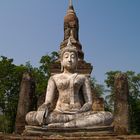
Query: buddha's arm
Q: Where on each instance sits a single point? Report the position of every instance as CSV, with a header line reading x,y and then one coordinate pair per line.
x,y
87,95
50,93
45,108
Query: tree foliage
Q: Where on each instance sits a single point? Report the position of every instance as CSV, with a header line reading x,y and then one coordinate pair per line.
x,y
42,74
10,79
46,61
10,76
98,89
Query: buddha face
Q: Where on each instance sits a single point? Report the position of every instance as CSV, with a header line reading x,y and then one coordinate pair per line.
x,y
69,60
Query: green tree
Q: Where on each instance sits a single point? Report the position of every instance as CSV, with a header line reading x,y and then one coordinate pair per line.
x,y
42,74
10,76
46,61
97,88
10,79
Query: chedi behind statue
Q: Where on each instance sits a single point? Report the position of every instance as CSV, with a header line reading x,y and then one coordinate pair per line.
x,y
73,107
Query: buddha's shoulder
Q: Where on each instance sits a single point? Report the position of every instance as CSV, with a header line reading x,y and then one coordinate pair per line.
x,y
63,76
83,76
57,76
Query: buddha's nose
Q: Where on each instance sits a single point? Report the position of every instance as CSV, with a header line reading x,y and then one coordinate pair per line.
x,y
69,59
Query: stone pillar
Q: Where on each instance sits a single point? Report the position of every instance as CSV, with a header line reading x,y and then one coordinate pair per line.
x,y
25,103
121,105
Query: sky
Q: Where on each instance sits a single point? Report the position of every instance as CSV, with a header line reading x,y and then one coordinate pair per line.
x,y
109,32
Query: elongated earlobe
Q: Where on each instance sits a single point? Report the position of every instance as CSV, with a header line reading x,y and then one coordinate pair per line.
x,y
62,68
76,67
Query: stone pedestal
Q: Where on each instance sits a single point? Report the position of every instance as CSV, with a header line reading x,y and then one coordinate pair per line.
x,y
68,132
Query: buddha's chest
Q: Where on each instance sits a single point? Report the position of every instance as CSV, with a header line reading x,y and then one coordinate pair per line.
x,y
72,83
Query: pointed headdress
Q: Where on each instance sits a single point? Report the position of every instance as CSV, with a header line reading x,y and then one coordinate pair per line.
x,y
69,48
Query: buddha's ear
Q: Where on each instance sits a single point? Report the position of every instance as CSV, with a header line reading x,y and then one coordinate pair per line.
x,y
62,68
76,66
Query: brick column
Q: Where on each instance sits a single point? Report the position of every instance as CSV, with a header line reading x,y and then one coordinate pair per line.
x,y
121,106
27,90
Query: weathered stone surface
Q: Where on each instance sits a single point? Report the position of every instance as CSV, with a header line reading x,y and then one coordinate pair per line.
x,y
25,103
58,137
68,132
71,26
71,22
98,104
121,105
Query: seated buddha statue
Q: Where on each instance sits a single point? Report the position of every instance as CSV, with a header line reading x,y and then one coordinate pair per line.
x,y
68,102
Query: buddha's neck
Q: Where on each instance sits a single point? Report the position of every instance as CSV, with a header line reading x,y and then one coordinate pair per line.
x,y
68,71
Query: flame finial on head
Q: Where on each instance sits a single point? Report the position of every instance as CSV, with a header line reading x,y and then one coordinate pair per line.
x,y
70,47
71,39
70,2
69,42
70,6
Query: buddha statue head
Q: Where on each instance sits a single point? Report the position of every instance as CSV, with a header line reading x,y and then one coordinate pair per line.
x,y
69,57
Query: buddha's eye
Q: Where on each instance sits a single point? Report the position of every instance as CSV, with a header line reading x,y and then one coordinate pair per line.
x,y
66,55
72,56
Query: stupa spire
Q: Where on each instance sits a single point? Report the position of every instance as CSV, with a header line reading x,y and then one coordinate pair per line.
x,y
71,38
71,29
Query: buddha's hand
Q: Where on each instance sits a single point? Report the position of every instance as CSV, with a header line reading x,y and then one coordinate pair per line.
x,y
44,107
42,113
86,107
